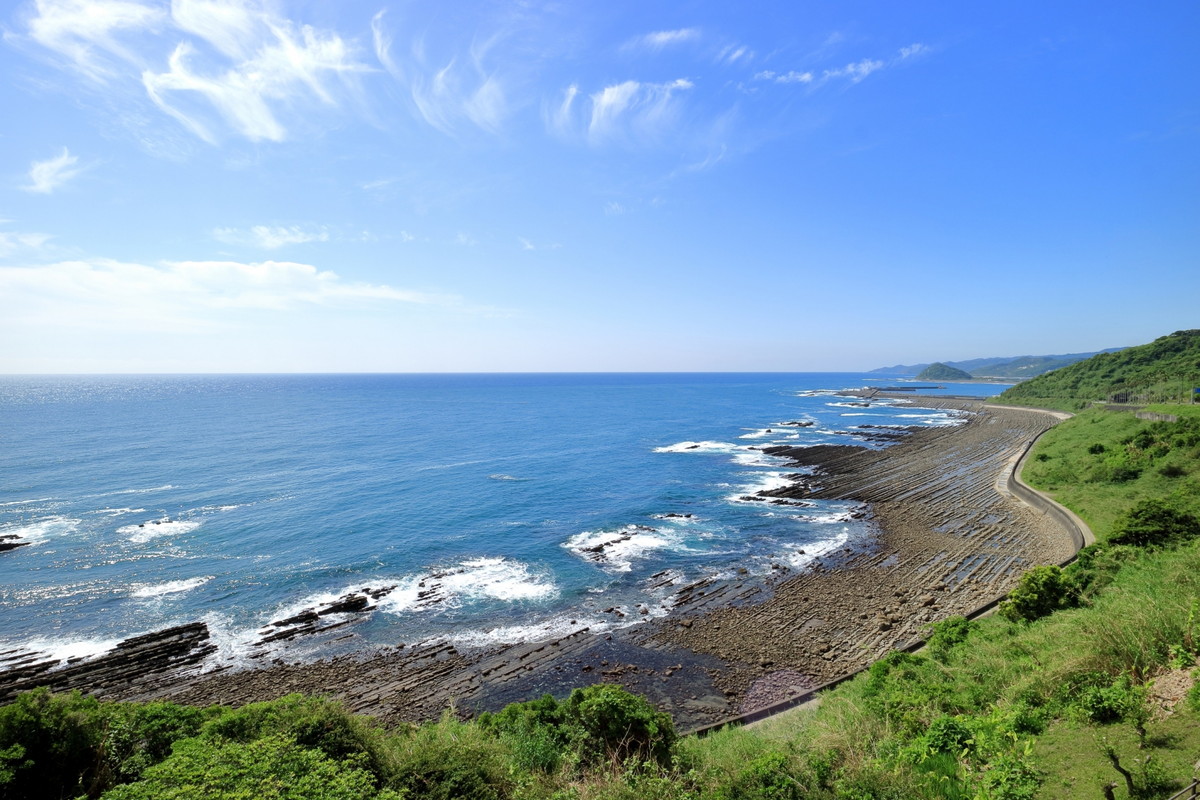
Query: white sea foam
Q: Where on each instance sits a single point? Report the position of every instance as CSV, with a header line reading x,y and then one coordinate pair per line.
x,y
41,529
764,482
938,419
758,459
799,556
153,529
469,581
170,587
554,628
502,477
63,650
116,512
700,447
26,502
148,490
617,550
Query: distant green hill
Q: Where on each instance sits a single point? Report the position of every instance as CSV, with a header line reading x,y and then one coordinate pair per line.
x,y
1164,371
943,372
999,367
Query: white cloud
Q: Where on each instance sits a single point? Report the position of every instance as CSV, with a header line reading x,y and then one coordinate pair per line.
x,y
291,66
86,32
179,295
270,238
445,94
213,65
660,39
12,242
234,27
526,244
560,118
733,53
857,71
794,77
613,208
914,50
47,176
634,110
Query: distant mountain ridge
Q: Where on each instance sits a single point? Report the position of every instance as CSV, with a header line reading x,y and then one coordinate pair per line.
x,y
999,367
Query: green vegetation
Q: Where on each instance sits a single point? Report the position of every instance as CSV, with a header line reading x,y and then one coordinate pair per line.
x,y
1166,370
1006,367
943,372
1051,698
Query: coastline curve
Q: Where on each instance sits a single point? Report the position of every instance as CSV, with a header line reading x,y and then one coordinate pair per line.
x,y
1008,483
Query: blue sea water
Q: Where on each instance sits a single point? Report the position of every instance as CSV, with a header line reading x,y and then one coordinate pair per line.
x,y
530,504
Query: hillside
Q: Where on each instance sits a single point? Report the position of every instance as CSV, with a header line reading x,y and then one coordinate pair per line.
x,y
1165,370
943,372
999,367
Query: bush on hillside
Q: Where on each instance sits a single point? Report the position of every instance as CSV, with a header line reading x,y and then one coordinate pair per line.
x,y
49,745
944,636
598,724
270,768
1154,522
1041,591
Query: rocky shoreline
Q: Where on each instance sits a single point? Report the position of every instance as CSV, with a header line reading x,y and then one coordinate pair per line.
x,y
944,541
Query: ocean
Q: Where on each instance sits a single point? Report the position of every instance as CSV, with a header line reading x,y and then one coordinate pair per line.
x,y
478,509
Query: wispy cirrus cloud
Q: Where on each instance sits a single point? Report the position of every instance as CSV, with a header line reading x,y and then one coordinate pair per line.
x,y
853,72
92,36
289,65
632,112
271,237
216,66
14,242
181,295
448,92
47,176
734,53
634,109
660,39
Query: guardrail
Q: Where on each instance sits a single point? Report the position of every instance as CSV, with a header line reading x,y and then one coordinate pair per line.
x,y
1190,792
1075,527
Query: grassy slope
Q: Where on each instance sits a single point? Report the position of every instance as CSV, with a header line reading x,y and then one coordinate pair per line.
x,y
1167,369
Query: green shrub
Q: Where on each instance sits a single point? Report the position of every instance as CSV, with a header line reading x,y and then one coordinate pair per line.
x,y
947,634
313,722
140,735
269,768
1105,705
597,724
948,735
618,725
767,777
1041,591
449,760
1154,522
537,731
49,745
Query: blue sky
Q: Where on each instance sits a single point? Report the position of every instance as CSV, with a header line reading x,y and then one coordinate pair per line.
x,y
242,186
